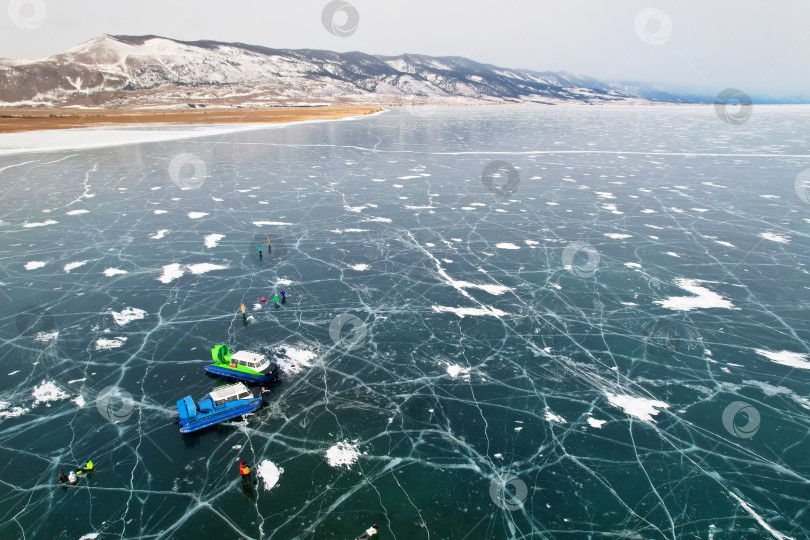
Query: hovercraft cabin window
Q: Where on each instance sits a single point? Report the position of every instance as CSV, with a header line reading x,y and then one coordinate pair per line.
x,y
244,395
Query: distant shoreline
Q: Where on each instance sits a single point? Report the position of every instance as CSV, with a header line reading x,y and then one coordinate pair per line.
x,y
15,120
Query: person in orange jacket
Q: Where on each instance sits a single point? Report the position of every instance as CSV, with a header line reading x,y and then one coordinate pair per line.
x,y
244,470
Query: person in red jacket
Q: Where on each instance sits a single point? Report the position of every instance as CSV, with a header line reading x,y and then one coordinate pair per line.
x,y
244,470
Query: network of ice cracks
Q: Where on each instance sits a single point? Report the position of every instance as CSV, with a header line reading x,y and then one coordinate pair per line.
x,y
496,392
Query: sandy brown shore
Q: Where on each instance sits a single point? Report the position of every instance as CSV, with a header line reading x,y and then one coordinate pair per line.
x,y
14,120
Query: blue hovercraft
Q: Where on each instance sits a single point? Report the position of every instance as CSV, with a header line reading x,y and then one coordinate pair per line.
x,y
221,404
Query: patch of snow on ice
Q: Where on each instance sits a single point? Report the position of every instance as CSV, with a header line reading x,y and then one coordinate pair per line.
x,y
202,268
342,454
378,220
472,312
13,412
46,392
212,240
46,336
639,407
128,315
293,360
74,265
786,358
773,237
594,423
269,474
612,208
104,344
42,224
703,299
171,272
455,370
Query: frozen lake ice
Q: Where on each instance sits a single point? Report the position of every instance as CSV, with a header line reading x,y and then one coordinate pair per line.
x,y
501,322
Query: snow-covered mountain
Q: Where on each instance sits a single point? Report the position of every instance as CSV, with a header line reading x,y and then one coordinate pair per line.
x,y
151,71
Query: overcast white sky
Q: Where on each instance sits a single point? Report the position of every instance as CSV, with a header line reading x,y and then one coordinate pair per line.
x,y
753,45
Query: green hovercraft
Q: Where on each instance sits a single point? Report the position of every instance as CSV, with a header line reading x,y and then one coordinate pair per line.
x,y
242,365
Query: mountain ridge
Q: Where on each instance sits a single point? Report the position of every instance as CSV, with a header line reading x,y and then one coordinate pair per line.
x,y
154,71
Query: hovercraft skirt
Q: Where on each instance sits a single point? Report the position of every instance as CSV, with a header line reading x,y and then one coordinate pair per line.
x,y
242,376
222,416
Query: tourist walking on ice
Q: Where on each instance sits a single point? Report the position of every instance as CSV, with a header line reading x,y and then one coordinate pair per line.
x,y
244,470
